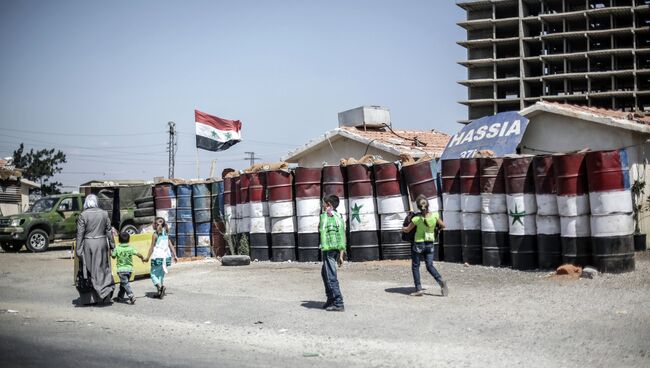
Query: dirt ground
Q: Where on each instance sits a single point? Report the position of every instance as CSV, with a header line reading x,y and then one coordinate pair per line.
x,y
267,314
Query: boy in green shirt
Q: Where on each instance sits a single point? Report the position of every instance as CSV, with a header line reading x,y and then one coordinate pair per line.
x,y
332,243
124,253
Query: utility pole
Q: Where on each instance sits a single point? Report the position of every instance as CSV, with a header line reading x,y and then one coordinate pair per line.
x,y
251,157
171,147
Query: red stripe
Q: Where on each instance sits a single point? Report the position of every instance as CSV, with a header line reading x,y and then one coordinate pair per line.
x,y
216,122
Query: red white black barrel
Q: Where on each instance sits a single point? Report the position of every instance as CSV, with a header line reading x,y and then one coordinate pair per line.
x,y
610,199
451,213
392,206
522,207
573,207
308,207
421,181
244,221
241,227
494,213
282,213
259,221
229,209
334,184
364,223
549,245
470,203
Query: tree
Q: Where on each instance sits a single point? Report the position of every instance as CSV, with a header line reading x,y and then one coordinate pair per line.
x,y
40,166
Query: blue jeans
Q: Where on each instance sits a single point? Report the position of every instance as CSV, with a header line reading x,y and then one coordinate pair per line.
x,y
124,284
428,260
328,272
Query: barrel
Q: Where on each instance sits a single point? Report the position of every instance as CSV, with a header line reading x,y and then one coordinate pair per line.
x,y
241,221
308,207
201,197
281,211
392,206
610,200
333,183
260,223
217,229
165,204
494,213
202,232
217,200
244,206
362,210
451,214
420,180
184,221
218,240
229,212
547,221
470,203
570,171
522,207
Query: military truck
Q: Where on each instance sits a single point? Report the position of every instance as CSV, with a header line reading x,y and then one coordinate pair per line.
x,y
55,217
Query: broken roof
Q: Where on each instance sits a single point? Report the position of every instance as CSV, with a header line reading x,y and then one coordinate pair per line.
x,y
614,118
394,141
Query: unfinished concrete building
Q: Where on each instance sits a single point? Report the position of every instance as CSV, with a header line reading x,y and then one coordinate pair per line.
x,y
585,52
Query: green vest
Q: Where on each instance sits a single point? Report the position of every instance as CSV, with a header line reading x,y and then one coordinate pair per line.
x,y
332,232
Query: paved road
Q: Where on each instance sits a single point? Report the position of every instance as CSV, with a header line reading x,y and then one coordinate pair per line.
x,y
267,315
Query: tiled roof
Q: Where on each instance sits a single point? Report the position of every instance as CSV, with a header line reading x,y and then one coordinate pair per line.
x,y
616,114
432,142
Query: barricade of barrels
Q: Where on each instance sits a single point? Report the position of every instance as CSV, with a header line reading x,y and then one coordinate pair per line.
x,y
537,212
194,213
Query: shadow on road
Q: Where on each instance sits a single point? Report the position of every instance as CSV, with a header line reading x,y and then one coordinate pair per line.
x,y
311,304
401,290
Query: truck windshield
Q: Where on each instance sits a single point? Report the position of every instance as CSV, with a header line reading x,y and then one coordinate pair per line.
x,y
43,205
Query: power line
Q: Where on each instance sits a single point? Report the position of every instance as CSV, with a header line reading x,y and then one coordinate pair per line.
x,y
81,135
252,158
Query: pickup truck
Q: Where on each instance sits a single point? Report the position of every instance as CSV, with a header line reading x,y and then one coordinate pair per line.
x,y
49,218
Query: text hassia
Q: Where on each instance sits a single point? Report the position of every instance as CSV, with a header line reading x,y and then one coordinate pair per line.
x,y
504,129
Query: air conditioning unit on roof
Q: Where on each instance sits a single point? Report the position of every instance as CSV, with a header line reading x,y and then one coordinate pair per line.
x,y
365,117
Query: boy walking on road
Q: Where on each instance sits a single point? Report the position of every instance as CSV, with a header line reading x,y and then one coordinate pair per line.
x,y
332,244
123,254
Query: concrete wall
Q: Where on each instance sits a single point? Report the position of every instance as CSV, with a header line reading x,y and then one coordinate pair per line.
x,y
554,133
343,148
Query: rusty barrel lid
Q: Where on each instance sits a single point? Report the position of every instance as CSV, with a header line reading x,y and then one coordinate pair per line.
x,y
307,182
450,174
420,180
570,172
544,176
279,184
470,179
491,175
519,174
359,181
607,171
388,180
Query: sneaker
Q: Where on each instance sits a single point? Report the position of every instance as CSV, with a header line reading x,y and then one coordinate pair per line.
x,y
417,293
443,288
132,299
327,304
335,308
163,291
158,292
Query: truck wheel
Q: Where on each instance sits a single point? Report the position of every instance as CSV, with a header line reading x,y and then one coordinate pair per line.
x,y
147,220
11,247
143,199
129,229
37,241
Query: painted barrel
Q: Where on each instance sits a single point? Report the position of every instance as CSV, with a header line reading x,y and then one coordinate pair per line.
x,y
244,205
494,213
201,205
573,207
202,231
470,203
610,200
185,245
333,183
522,207
218,240
229,207
392,207
165,204
259,220
217,200
420,180
184,203
308,208
547,221
241,222
451,214
281,211
217,228
364,224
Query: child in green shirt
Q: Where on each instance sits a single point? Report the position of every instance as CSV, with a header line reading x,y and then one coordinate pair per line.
x,y
123,254
332,243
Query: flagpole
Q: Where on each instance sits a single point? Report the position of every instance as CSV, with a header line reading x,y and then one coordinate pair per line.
x,y
198,176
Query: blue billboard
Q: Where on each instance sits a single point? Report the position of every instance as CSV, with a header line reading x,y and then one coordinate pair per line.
x,y
500,133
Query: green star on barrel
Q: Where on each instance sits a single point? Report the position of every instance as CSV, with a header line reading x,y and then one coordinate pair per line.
x,y
517,215
355,212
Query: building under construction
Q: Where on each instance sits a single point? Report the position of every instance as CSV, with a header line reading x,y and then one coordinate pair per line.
x,y
584,52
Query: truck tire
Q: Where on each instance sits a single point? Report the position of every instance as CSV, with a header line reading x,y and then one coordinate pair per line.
x,y
146,220
143,200
11,247
142,212
145,205
38,241
129,229
235,260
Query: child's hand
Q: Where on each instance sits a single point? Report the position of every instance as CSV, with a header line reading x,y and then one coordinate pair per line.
x,y
175,259
145,259
339,261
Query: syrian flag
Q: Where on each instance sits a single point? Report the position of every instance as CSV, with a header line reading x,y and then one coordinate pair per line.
x,y
216,134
